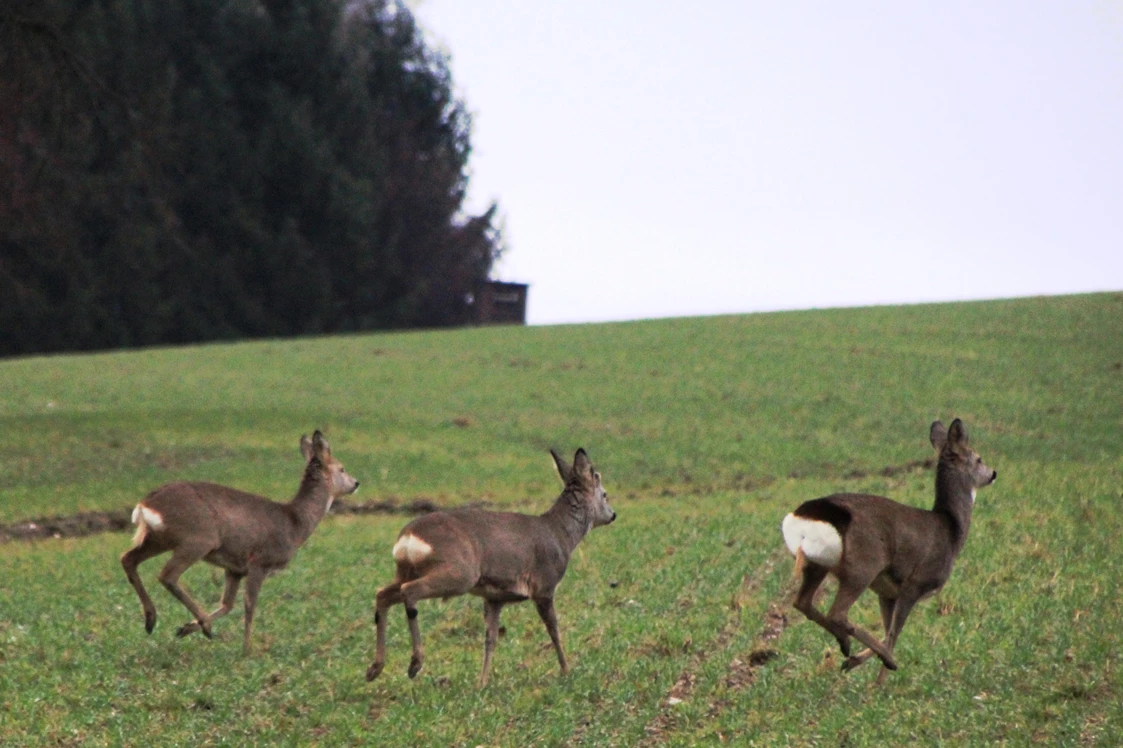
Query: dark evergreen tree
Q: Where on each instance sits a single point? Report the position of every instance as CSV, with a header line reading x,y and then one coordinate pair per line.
x,y
183,170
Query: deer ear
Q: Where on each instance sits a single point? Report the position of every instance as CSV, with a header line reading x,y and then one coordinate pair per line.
x,y
320,446
564,471
581,463
938,435
957,433
306,447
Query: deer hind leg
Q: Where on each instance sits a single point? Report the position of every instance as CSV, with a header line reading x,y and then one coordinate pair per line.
x,y
440,581
813,576
386,598
129,561
839,624
182,558
491,635
887,606
550,618
229,595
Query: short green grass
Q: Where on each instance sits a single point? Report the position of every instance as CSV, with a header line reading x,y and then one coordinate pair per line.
x,y
707,430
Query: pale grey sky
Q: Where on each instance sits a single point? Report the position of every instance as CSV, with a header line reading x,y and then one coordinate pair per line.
x,y
659,159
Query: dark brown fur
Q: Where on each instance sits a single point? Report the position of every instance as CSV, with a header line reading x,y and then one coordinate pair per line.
x,y
903,553
826,510
502,557
249,536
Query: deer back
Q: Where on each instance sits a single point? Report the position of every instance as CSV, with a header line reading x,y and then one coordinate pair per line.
x,y
900,541
237,522
504,551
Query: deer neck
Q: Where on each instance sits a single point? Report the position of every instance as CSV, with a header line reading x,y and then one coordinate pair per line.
x,y
569,517
955,498
310,504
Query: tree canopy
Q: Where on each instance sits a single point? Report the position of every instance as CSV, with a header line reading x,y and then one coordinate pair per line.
x,y
185,170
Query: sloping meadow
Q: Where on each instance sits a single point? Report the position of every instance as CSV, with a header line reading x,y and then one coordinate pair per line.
x,y
675,618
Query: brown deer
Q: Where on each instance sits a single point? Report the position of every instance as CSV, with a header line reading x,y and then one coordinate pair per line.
x,y
249,536
502,557
903,553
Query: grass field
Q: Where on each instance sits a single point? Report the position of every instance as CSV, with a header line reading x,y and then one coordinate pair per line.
x,y
675,618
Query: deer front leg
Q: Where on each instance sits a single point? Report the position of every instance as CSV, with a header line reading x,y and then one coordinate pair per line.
x,y
900,615
229,595
254,579
491,635
549,617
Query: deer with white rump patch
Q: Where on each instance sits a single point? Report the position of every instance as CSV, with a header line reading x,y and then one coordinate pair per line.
x,y
249,536
903,553
502,557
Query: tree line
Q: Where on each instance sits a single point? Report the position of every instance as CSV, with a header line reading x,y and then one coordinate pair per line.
x,y
185,170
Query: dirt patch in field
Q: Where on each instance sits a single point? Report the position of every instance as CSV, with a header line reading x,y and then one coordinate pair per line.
x,y
390,506
688,486
889,471
743,669
73,526
93,523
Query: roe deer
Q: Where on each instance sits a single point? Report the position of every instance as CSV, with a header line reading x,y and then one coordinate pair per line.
x,y
502,557
903,553
249,536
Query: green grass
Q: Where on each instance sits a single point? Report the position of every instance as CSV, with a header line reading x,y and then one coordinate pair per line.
x,y
707,431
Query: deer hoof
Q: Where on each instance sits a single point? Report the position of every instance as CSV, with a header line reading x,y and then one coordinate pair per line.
x,y
206,629
187,628
414,667
851,662
374,671
149,620
889,663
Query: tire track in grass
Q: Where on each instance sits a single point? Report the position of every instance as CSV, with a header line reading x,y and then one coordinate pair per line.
x,y
676,541
742,673
657,728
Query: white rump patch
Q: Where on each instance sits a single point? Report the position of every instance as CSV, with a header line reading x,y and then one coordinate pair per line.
x,y
145,519
151,517
820,541
412,549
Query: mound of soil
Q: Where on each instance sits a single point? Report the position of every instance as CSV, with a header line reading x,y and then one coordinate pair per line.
x,y
92,523
74,526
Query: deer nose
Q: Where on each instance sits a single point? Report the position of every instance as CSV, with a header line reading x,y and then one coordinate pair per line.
x,y
613,518
993,476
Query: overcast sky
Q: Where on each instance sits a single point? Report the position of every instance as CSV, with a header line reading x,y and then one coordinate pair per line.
x,y
659,159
